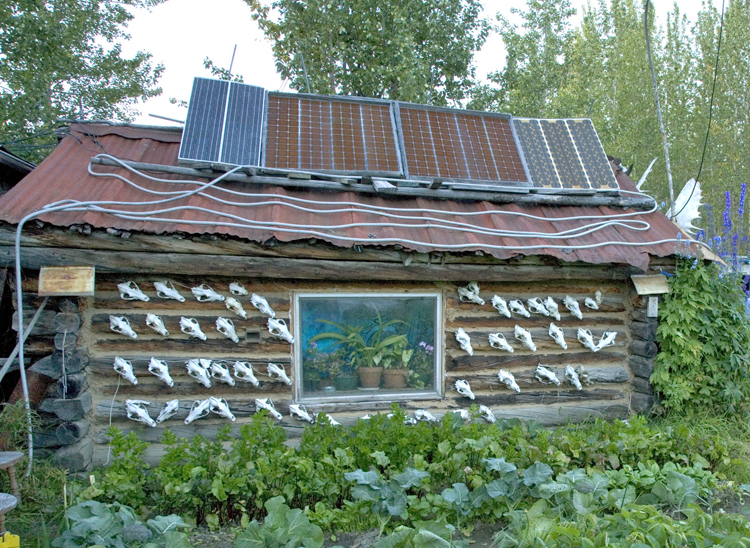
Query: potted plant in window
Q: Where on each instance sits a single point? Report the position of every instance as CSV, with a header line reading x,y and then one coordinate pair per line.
x,y
422,366
347,378
395,366
364,346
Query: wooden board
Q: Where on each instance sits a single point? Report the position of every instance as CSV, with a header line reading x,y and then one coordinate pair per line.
x,y
72,281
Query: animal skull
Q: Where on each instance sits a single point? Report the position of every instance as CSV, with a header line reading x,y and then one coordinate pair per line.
x,y
166,290
277,372
299,412
525,337
226,328
546,376
586,339
424,415
221,408
572,305
465,415
278,328
509,380
261,304
267,404
190,326
235,306
501,306
160,370
591,303
607,339
557,334
487,414
497,340
583,375
125,368
219,371
205,294
410,421
121,325
598,297
518,307
464,389
332,421
470,294
236,288
131,292
156,323
136,410
196,370
572,376
552,308
536,305
464,340
198,410
168,411
244,372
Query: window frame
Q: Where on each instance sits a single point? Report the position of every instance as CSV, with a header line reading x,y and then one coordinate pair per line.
x,y
439,386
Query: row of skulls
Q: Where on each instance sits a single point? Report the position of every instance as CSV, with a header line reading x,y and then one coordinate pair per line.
x,y
544,374
498,340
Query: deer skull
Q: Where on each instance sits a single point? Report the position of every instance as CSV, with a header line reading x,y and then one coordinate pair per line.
x,y
160,370
546,376
221,408
236,288
226,328
572,305
121,325
572,376
219,371
190,327
235,306
267,404
464,340
166,290
278,328
518,307
199,409
501,306
586,339
196,370
261,304
497,340
299,412
557,334
205,294
156,323
125,368
168,411
525,337
244,372
509,380
131,292
136,410
277,372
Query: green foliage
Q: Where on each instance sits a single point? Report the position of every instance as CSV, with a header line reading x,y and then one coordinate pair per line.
x,y
64,59
283,527
412,50
704,338
93,523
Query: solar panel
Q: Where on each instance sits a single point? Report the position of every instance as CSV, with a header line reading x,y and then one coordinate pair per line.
x,y
453,144
331,135
224,123
592,154
560,143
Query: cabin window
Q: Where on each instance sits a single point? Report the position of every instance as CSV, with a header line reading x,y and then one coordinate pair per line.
x,y
364,346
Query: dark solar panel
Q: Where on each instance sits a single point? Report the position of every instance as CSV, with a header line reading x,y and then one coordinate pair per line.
x,y
244,125
535,152
459,145
201,138
592,154
330,135
560,143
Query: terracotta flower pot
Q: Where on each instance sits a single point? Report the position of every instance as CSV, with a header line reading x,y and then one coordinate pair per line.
x,y
369,377
394,378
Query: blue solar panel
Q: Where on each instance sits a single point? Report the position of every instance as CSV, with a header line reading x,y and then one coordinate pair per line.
x,y
243,126
201,138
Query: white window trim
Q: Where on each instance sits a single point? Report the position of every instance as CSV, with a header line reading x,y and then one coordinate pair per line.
x,y
401,397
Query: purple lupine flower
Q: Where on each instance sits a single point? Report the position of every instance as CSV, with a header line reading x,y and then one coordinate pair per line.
x,y
741,207
701,235
727,212
735,260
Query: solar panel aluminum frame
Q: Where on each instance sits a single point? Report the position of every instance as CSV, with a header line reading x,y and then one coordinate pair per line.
x,y
344,99
499,185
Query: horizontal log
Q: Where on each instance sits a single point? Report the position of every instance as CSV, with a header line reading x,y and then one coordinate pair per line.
x,y
643,331
540,336
213,346
498,322
538,397
69,433
104,366
640,315
193,389
69,409
45,438
310,269
75,458
647,349
45,325
208,428
100,324
641,366
240,408
526,378
608,305
104,301
507,361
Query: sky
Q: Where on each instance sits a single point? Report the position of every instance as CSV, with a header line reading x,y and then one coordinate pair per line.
x,y
180,34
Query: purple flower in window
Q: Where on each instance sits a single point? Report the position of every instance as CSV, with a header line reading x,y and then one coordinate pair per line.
x,y
423,344
429,349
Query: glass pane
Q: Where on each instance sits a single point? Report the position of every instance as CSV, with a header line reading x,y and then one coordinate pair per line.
x,y
353,344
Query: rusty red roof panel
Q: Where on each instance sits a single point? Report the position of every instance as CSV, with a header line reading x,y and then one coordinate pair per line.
x,y
346,219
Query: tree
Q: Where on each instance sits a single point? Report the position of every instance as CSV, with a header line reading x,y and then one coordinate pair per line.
x,y
411,50
62,58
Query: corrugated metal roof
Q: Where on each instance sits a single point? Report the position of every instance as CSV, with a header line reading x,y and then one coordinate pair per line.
x,y
64,175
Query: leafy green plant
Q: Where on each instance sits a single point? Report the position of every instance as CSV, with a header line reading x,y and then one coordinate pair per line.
x,y
283,528
97,524
704,336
